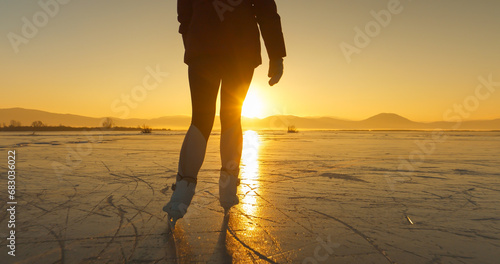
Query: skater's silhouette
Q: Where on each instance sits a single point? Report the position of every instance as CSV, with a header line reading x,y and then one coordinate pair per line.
x,y
222,48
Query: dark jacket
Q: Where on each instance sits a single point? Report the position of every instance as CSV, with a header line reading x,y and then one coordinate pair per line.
x,y
230,29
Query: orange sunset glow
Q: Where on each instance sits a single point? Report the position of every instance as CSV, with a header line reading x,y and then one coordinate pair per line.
x,y
346,60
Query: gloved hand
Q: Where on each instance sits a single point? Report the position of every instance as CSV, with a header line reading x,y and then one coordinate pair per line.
x,y
275,71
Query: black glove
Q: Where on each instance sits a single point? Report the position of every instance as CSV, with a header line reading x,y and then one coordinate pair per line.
x,y
275,70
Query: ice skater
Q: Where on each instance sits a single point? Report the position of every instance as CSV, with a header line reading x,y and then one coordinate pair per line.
x,y
222,48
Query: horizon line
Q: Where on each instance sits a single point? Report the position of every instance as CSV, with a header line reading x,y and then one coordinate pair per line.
x,y
260,118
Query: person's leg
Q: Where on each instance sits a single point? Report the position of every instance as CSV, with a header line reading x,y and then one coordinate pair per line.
x,y
204,81
235,83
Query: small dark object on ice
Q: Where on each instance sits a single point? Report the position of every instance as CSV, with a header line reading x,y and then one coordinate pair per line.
x,y
292,129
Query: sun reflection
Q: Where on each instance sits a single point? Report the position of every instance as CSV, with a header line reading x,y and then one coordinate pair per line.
x,y
250,171
246,220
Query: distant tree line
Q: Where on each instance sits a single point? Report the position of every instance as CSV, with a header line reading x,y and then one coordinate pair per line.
x,y
15,123
106,124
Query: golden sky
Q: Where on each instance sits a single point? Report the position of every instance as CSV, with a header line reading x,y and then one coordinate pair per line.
x,y
349,59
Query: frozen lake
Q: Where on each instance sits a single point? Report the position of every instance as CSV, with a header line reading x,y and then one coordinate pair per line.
x,y
307,197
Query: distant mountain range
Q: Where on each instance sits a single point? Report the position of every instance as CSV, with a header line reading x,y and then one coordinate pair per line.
x,y
278,122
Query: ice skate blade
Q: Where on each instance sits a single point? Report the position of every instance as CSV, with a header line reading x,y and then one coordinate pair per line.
x,y
227,205
227,209
171,222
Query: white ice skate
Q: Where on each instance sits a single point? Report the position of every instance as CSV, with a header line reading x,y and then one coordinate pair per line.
x,y
228,185
176,208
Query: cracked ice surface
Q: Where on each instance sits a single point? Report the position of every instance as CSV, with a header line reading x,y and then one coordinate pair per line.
x,y
309,197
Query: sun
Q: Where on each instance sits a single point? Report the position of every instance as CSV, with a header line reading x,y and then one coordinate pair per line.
x,y
253,105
